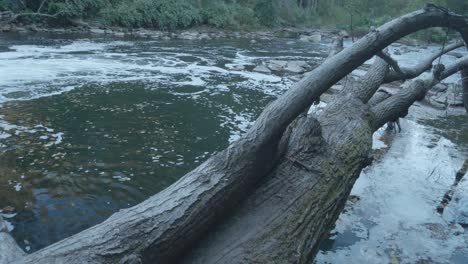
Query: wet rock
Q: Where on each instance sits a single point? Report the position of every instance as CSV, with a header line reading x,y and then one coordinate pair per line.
x,y
439,88
274,67
5,28
277,65
3,225
326,98
438,231
440,99
189,35
238,67
78,22
286,33
32,28
97,31
344,34
8,210
204,36
455,54
457,210
456,101
294,67
262,69
59,30
315,38
457,229
296,78
354,198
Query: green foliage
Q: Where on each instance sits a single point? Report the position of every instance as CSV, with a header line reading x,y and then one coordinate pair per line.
x,y
3,5
161,14
81,8
266,12
232,14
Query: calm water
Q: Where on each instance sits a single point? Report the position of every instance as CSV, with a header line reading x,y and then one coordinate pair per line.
x,y
89,126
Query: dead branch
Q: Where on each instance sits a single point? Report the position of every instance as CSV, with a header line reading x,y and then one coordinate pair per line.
x,y
396,106
404,73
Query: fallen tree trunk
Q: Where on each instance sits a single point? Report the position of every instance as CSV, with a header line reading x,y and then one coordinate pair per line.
x,y
167,225
288,215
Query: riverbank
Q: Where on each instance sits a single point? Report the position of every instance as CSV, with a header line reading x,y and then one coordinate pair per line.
x,y
196,33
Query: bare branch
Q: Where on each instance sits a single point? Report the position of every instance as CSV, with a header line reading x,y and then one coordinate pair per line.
x,y
40,7
410,73
397,105
393,63
16,16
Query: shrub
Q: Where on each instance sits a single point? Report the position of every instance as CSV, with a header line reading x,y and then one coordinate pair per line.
x,y
229,16
266,12
161,14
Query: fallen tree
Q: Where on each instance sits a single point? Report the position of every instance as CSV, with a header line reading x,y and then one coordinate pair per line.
x,y
274,194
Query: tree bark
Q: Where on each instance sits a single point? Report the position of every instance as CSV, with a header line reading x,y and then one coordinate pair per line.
x,y
325,158
293,209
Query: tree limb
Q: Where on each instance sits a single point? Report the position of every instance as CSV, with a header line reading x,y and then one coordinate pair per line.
x,y
405,73
397,105
393,63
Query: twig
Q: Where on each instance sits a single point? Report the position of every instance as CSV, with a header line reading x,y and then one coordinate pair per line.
x,y
393,63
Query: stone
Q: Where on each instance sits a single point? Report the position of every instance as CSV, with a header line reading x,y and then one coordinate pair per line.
x,y
456,101
277,65
238,67
32,28
262,69
3,225
457,210
455,54
8,210
97,31
314,38
344,34
294,67
439,88
457,229
188,35
296,78
204,36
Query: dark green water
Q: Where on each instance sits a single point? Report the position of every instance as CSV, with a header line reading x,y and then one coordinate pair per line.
x,y
90,126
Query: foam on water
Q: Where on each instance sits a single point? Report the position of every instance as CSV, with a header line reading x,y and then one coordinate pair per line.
x,y
29,71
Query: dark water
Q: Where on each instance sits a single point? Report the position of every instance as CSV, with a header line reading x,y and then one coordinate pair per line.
x,y
90,126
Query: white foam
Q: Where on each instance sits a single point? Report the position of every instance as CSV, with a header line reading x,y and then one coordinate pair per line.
x,y
29,71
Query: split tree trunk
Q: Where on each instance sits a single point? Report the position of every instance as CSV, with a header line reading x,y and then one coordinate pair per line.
x,y
299,183
296,205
